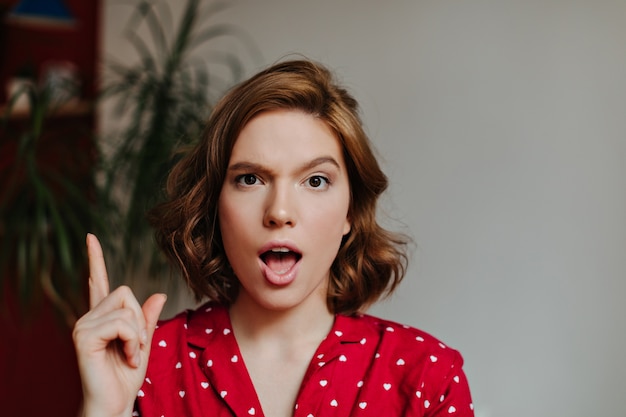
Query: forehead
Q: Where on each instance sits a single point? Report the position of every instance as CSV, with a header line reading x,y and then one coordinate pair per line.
x,y
284,137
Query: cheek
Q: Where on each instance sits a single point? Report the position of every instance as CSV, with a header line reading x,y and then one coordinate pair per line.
x,y
240,223
230,222
234,240
222,216
331,222
230,211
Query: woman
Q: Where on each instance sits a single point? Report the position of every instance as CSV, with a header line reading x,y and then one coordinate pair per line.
x,y
272,219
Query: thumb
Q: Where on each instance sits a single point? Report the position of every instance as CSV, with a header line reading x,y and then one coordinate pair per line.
x,y
152,308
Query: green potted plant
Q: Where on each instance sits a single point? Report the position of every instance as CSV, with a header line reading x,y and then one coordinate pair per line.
x,y
47,204
166,98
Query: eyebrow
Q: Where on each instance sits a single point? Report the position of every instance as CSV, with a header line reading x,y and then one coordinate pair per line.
x,y
251,166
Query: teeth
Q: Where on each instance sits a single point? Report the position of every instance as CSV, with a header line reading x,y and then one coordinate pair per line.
x,y
280,250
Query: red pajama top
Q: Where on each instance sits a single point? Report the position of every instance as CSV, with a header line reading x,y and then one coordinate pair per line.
x,y
365,367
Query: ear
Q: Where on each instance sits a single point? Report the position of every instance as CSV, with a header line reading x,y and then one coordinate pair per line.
x,y
347,226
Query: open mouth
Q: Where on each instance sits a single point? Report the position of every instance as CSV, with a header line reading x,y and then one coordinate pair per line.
x,y
280,260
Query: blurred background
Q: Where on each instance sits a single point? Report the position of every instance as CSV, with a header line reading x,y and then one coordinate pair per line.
x,y
501,125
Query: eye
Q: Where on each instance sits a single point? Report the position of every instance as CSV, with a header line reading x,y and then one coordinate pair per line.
x,y
247,179
318,182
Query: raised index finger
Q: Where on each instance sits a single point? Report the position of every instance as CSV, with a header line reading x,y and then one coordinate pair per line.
x,y
98,278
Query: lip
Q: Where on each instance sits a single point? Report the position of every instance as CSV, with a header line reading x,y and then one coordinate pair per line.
x,y
272,277
279,244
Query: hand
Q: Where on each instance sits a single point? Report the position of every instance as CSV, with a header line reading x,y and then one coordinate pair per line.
x,y
112,341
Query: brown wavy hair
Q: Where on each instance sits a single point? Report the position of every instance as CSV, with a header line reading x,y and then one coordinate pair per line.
x,y
371,261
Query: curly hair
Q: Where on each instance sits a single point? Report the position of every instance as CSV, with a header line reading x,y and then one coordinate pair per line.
x,y
371,261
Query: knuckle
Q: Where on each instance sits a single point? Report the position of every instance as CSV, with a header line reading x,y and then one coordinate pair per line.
x,y
80,323
78,333
123,318
125,290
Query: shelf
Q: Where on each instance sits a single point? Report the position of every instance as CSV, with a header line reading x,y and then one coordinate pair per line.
x,y
73,109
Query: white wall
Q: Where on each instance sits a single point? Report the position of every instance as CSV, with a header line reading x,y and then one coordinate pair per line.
x,y
502,126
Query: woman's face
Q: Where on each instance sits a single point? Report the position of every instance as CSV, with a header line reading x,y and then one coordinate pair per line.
x,y
283,209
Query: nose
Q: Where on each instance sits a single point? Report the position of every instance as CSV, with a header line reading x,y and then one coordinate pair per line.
x,y
280,207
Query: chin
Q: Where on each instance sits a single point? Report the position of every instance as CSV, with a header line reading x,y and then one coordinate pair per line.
x,y
281,301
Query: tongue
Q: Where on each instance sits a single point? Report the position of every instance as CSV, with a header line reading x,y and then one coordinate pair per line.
x,y
280,263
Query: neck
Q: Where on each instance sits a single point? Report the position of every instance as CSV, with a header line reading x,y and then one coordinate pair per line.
x,y
309,322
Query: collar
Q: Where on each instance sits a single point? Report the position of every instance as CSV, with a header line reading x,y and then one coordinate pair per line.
x,y
211,320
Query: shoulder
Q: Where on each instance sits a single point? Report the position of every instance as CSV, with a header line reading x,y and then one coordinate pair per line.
x,y
406,345
172,326
425,368
402,334
175,336
205,315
